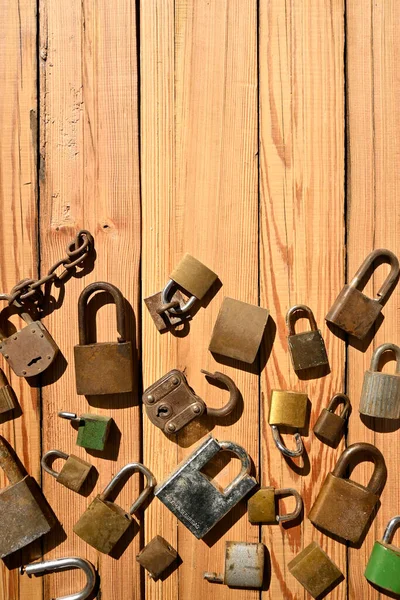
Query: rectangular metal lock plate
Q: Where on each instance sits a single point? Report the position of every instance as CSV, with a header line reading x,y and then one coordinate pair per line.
x,y
315,570
194,277
30,350
104,368
261,508
244,564
74,473
157,556
93,431
354,312
329,427
383,568
165,320
307,350
7,399
380,395
288,408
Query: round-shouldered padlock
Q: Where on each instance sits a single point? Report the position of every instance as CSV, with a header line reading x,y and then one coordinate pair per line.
x,y
330,426
74,472
383,568
380,395
307,349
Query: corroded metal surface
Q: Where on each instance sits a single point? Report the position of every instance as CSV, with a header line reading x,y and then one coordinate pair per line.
x,y
244,566
380,395
307,349
329,427
157,556
316,572
74,472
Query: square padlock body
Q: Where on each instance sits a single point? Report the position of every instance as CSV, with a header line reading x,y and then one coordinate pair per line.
x,y
383,568
157,556
329,427
104,368
354,312
244,565
74,473
194,277
288,409
93,431
315,570
30,350
261,508
7,399
307,350
380,395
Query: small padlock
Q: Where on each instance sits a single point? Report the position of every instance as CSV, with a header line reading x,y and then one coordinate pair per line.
x,y
104,523
8,400
316,572
344,507
93,430
288,409
329,427
74,472
107,367
380,395
171,404
353,311
193,498
24,513
383,568
61,564
262,507
244,566
307,349
157,556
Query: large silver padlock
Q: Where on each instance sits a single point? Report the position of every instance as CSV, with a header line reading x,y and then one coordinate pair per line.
x,y
380,396
193,498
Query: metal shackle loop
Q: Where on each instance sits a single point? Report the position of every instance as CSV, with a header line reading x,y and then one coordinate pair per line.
x,y
119,304
49,455
367,452
338,399
308,314
7,298
297,510
392,527
281,446
168,306
244,459
390,279
130,469
61,564
69,416
234,394
376,357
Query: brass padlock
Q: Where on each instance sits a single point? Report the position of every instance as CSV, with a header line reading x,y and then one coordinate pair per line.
x,y
353,311
107,367
74,472
380,395
157,556
171,404
344,507
307,349
93,430
168,308
61,564
24,514
329,427
262,507
8,400
383,568
288,409
244,566
316,572
104,523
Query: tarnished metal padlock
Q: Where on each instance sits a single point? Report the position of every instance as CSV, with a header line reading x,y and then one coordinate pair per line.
x,y
74,472
171,404
106,367
104,523
168,308
316,572
238,330
193,498
380,396
353,311
61,564
244,566
344,507
383,568
263,506
329,427
24,514
307,349
93,430
288,409
157,556
8,400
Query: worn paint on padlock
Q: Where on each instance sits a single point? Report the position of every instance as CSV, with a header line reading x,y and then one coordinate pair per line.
x,y
316,572
74,472
195,500
329,427
157,556
244,566
8,400
380,395
262,507
383,568
194,277
61,564
93,430
307,349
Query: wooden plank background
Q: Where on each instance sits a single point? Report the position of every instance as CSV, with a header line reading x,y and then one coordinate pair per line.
x,y
261,136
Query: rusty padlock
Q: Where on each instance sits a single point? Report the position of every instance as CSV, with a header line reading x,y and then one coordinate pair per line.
x,y
344,507
74,472
107,367
157,556
316,572
329,427
353,311
61,564
104,523
171,404
380,395
307,349
262,507
8,400
244,566
288,409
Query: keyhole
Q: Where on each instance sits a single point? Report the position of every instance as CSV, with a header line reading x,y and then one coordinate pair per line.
x,y
163,411
34,360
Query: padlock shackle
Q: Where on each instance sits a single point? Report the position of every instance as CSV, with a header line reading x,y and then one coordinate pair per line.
x,y
307,313
281,446
338,399
168,306
390,279
244,459
368,452
9,465
392,527
299,504
82,307
69,416
129,470
61,564
234,394
49,455
376,357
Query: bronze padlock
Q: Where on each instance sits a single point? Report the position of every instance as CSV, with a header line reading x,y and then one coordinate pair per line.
x,y
262,507
104,523
157,556
74,472
107,367
288,409
329,427
353,311
8,400
307,349
380,395
344,507
316,572
171,403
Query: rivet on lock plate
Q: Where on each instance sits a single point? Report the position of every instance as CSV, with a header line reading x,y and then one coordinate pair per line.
x,y
353,311
316,572
383,568
344,507
307,349
168,308
329,427
62,564
288,409
93,430
380,395
157,556
195,500
244,566
171,404
8,400
262,507
74,472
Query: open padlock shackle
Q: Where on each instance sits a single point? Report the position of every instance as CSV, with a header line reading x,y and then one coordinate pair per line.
x,y
119,304
308,314
60,564
392,527
381,350
244,459
390,279
297,509
130,469
234,394
281,446
52,454
367,452
173,307
338,399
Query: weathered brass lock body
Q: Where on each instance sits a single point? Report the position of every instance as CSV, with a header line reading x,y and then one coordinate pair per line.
x,y
288,409
316,572
329,427
104,523
74,472
93,430
262,507
107,367
238,330
383,568
61,564
344,507
171,404
244,566
307,349
353,311
380,396
8,400
157,556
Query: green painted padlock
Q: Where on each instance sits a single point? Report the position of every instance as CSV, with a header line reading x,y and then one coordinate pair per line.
x,y
93,430
383,568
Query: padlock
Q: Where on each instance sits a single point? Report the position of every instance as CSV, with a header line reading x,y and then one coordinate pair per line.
x,y
168,308
344,507
316,572
288,409
104,523
107,367
93,430
262,507
244,566
171,404
238,330
353,311
193,498
380,395
74,472
383,568
307,349
157,556
62,564
8,400
329,427
24,514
